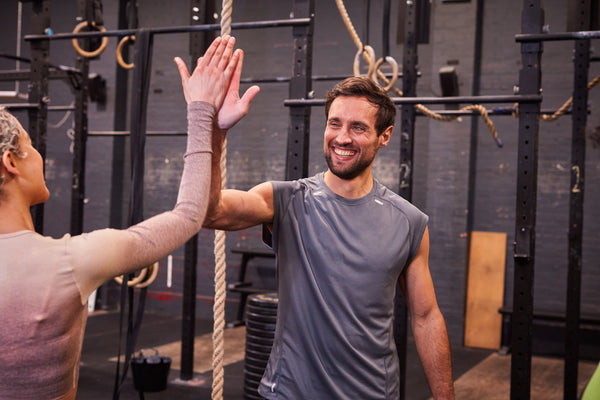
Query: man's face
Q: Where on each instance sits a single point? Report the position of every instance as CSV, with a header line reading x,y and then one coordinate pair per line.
x,y
351,142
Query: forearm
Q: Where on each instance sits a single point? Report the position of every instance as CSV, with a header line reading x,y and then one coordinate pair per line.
x,y
433,346
173,228
104,254
215,195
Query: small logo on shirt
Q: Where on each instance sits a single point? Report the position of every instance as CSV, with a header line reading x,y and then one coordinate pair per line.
x,y
378,202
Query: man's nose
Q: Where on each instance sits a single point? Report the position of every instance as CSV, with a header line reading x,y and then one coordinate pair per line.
x,y
344,136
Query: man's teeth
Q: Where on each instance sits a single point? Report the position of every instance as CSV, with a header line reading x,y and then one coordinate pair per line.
x,y
345,153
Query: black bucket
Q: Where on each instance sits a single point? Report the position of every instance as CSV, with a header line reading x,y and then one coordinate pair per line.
x,y
150,372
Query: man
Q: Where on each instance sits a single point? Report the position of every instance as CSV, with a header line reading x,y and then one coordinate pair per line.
x,y
343,242
45,282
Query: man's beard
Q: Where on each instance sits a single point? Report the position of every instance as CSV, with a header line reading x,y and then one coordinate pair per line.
x,y
352,171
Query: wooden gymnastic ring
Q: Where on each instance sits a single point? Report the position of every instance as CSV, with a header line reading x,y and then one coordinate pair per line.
x,y
394,64
370,59
122,43
150,277
99,50
134,281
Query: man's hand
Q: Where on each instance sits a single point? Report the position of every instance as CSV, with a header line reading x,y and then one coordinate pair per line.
x,y
211,78
235,108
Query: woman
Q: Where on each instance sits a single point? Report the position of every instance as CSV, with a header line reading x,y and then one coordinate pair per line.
x,y
45,282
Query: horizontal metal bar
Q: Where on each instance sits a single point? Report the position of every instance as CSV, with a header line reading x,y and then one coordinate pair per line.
x,y
314,78
434,100
61,108
545,37
25,74
126,133
27,106
173,29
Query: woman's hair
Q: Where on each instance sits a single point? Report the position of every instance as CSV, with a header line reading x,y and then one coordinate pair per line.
x,y
365,87
10,131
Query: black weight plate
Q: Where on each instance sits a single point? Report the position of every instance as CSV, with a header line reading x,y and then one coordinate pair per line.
x,y
259,340
252,375
254,369
251,316
269,300
251,383
258,348
257,362
260,333
257,355
260,325
251,393
261,310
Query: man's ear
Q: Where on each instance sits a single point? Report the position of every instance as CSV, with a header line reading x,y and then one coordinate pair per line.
x,y
9,164
385,136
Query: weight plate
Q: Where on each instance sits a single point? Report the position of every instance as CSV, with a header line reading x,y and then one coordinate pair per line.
x,y
260,333
251,316
258,347
269,300
259,340
261,310
260,326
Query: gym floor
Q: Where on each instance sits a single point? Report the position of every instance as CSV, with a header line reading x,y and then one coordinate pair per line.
x,y
97,370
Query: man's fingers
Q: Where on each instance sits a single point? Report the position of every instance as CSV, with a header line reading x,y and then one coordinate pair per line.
x,y
249,95
237,72
232,66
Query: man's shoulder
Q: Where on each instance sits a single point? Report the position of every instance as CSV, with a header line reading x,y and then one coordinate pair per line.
x,y
385,194
297,184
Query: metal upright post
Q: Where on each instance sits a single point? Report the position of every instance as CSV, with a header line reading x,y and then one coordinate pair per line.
x,y
579,118
38,91
127,18
300,87
81,130
200,12
408,114
525,223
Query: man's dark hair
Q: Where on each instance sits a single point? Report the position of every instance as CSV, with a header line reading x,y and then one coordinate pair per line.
x,y
359,86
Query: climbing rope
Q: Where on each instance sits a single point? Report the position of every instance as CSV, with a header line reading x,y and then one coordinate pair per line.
x,y
563,109
219,251
376,75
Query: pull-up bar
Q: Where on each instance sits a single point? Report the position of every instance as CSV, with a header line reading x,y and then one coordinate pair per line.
x,y
541,37
434,100
173,29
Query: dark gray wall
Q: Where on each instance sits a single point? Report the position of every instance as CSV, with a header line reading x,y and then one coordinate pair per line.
x,y
257,145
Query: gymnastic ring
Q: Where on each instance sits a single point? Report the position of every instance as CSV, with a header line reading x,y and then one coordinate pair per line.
x,y
135,280
370,59
90,54
394,64
120,60
150,277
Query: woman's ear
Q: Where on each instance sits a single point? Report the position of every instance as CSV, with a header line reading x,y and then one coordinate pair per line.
x,y
9,164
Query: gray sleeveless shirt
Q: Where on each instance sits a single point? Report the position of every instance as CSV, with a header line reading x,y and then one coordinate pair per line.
x,y
338,264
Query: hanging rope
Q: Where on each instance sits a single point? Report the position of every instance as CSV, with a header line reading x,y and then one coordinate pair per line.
x,y
563,109
388,84
219,250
